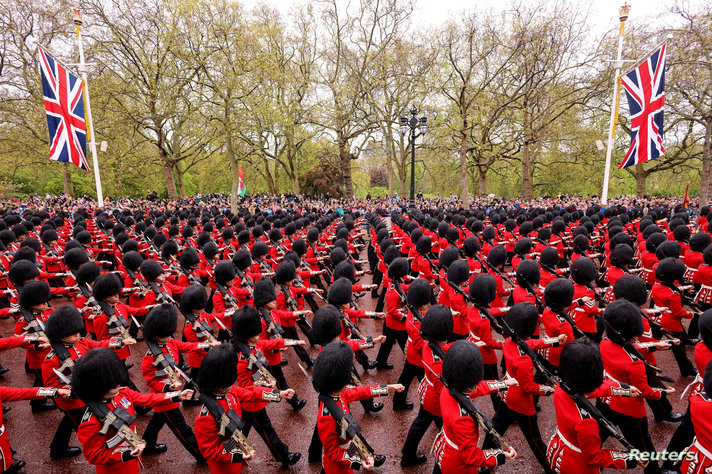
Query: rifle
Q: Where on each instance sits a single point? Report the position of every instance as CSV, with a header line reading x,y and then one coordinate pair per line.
x,y
91,301
142,285
166,363
358,448
115,319
161,295
259,364
563,314
302,320
118,419
352,327
537,360
230,425
652,372
480,418
272,326
245,280
228,297
199,328
33,326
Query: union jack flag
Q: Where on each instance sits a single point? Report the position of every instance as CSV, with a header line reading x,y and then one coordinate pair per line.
x,y
64,103
645,88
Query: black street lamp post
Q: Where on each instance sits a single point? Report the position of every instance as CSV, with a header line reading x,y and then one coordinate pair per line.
x,y
415,124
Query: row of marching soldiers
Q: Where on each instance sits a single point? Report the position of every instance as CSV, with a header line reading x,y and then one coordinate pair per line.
x,y
256,319
409,261
589,338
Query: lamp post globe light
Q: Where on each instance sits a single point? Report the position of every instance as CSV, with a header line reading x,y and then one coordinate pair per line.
x,y
419,125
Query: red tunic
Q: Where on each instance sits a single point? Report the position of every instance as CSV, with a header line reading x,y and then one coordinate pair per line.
x,y
620,367
156,377
456,445
211,444
108,460
578,429
665,297
481,330
431,385
330,433
584,315
520,398
35,357
699,459
395,309
554,325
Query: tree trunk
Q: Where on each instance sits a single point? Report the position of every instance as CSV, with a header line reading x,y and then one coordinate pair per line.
x,y
527,172
67,179
481,181
179,178
464,191
170,178
268,176
706,165
230,154
345,160
390,154
640,177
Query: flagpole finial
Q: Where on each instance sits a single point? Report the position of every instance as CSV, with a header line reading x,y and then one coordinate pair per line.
x,y
624,11
77,14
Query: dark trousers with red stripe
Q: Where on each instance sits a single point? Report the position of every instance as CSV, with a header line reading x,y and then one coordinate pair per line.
x,y
70,422
176,422
409,373
260,420
504,417
417,430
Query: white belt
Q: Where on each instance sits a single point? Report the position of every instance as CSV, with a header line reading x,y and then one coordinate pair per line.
x,y
700,448
697,380
476,338
449,441
606,374
567,442
2,429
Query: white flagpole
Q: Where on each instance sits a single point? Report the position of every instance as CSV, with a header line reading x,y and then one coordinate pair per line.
x,y
623,15
90,123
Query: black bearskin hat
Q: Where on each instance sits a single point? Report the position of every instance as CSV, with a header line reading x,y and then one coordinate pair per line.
x,y
132,261
462,366
391,254
523,246
299,246
559,293
97,372
449,255
700,241
419,293
22,271
151,269
50,235
424,245
224,272
580,244
549,257
63,322
259,249
243,237
313,234
653,241
398,268
623,321
337,256
522,318
631,288
670,270
583,271
669,248
189,257
192,298
242,260
275,235
437,323
621,256
332,368
218,369
458,272
34,293
471,246
106,285
246,324
88,273
528,272
345,269
168,248
581,366
326,324
497,256
340,292
161,322
73,259
285,272
264,292
483,289
705,326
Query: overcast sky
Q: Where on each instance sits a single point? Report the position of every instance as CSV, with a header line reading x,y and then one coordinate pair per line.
x,y
604,13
